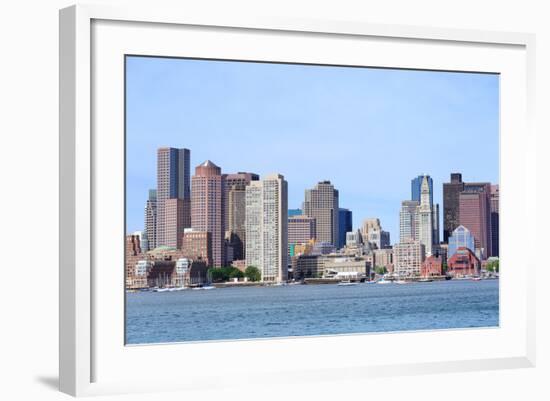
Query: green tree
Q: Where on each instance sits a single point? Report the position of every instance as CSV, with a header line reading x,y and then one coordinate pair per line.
x,y
253,273
380,270
236,273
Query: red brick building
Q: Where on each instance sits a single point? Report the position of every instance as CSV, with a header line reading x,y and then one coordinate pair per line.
x,y
432,266
197,245
207,207
463,262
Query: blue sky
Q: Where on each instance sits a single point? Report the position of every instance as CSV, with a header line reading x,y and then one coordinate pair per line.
x,y
368,131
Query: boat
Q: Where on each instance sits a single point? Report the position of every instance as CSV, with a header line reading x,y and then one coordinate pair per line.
x,y
425,280
347,282
476,278
162,289
383,281
204,287
401,282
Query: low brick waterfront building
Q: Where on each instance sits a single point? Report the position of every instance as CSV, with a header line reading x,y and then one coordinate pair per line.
x,y
432,266
463,262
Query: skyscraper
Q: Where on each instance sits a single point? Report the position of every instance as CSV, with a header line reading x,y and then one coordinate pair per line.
x,y
451,192
416,188
321,203
416,192
474,214
150,231
207,208
301,230
408,221
234,209
495,220
173,171
176,220
267,227
425,217
345,222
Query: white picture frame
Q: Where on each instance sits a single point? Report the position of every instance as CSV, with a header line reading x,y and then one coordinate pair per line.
x,y
93,358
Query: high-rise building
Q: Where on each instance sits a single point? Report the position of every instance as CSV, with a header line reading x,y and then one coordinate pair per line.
x,y
461,238
234,208
345,221
207,208
267,227
416,195
176,219
150,231
370,224
240,179
408,221
173,172
451,206
425,216
474,214
495,220
236,213
451,192
416,188
301,230
321,203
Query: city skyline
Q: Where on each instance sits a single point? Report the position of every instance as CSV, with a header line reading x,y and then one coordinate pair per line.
x,y
370,186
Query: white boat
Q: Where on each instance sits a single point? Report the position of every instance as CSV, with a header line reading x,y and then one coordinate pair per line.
x,y
383,281
425,280
401,282
347,282
162,289
204,287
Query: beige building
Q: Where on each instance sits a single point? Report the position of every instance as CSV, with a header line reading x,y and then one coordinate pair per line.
x,y
408,257
321,203
267,227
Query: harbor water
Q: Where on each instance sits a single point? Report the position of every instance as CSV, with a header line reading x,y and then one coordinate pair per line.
x,y
306,310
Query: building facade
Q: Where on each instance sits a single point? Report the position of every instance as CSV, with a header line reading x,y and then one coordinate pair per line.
x,y
474,214
197,245
478,206
495,239
207,207
173,172
150,223
345,222
234,207
409,225
267,227
321,203
176,219
408,257
425,216
432,266
461,238
451,193
301,230
464,262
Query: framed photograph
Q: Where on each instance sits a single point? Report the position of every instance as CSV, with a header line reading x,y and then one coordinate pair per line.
x,y
290,200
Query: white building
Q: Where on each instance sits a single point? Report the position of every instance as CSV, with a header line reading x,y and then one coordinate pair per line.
x,y
266,224
425,218
417,220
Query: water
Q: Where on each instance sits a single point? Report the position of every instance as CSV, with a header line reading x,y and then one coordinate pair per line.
x,y
259,312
